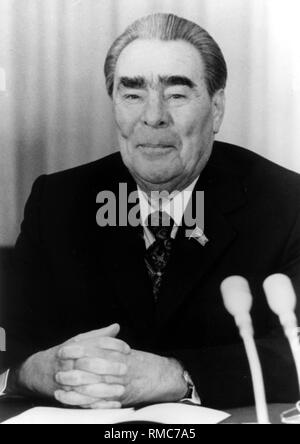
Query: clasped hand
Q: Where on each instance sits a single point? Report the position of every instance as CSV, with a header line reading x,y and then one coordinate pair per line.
x,y
102,371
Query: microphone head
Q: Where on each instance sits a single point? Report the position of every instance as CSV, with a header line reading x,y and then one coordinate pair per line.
x,y
237,296
280,294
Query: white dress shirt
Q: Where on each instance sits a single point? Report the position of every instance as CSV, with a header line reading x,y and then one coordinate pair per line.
x,y
175,206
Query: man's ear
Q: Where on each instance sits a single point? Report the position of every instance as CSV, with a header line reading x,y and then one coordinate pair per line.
x,y
218,103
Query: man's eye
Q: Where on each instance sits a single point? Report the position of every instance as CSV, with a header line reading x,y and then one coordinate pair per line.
x,y
177,97
132,97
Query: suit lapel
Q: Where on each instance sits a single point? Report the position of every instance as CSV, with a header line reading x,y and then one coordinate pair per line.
x,y
191,261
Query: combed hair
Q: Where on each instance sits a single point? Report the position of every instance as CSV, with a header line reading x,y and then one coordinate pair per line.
x,y
169,27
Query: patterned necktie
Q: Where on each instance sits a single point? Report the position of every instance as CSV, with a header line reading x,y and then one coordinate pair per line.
x,y
158,254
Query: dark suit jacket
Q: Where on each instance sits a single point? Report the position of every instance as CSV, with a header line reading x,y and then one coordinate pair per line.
x,y
73,276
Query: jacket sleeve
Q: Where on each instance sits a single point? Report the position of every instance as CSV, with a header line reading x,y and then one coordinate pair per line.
x,y
22,319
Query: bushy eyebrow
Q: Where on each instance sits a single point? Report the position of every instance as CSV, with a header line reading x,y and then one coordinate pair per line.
x,y
167,81
133,82
177,81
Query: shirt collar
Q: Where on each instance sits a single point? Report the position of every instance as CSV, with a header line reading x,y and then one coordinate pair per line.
x,y
174,206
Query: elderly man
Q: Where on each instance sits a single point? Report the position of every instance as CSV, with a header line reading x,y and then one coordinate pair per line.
x,y
104,317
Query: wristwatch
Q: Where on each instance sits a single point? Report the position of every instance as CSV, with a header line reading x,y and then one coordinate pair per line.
x,y
3,383
190,385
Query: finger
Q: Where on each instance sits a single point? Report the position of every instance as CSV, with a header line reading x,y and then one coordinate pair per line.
x,y
108,343
73,398
101,367
103,405
108,379
102,346
68,388
66,365
69,352
113,331
76,378
105,391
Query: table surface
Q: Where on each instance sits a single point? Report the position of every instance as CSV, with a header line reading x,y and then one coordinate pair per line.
x,y
11,407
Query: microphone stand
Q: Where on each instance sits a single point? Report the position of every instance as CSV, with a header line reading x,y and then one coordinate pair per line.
x,y
238,302
293,338
257,377
282,300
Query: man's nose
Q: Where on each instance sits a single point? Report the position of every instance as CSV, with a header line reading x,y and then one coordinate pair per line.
x,y
156,114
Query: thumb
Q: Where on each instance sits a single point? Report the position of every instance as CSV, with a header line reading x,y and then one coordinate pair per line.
x,y
74,349
112,331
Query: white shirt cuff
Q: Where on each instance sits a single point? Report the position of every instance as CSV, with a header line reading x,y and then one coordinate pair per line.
x,y
195,398
3,382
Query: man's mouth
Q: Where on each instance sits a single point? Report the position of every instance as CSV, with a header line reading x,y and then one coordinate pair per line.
x,y
155,145
153,151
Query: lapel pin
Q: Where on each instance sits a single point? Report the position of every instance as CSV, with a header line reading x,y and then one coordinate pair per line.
x,y
199,236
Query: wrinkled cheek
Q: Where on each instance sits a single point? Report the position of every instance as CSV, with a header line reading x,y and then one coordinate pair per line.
x,y
196,139
193,119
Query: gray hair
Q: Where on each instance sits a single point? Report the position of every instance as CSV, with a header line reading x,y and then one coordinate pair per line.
x,y
169,27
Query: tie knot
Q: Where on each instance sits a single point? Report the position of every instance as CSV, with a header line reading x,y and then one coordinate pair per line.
x,y
161,225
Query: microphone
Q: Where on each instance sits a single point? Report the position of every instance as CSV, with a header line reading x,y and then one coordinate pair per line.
x,y
238,302
282,300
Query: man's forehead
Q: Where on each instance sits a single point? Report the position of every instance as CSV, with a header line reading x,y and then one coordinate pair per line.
x,y
154,60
